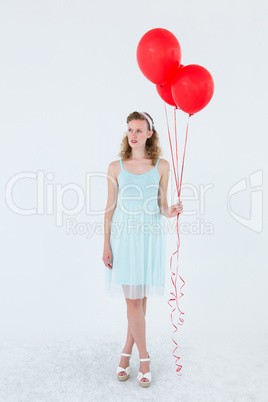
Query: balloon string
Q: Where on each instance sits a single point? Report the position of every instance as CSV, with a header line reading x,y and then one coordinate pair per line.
x,y
184,150
170,143
175,293
178,183
175,124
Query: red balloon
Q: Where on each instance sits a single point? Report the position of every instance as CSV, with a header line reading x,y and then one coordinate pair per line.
x,y
164,90
192,88
159,55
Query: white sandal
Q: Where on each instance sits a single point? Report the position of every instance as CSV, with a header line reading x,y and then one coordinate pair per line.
x,y
126,370
146,375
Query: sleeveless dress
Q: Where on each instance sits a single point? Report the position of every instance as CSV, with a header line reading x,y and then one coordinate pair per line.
x,y
137,238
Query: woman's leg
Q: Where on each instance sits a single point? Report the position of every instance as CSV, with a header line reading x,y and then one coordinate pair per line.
x,y
136,320
130,340
124,362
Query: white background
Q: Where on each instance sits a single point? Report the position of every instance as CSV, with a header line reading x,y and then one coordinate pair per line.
x,y
69,78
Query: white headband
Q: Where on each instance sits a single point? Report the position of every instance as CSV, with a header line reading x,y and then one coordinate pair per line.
x,y
148,119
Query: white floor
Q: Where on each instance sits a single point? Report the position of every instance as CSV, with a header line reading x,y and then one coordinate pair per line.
x,y
217,367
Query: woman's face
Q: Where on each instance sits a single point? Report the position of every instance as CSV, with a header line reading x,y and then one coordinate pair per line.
x,y
138,131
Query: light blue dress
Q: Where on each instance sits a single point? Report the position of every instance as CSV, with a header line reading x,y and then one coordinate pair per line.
x,y
137,238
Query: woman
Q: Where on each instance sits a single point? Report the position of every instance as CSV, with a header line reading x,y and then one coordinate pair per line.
x,y
134,252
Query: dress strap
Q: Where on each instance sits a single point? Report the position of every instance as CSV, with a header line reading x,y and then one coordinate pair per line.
x,y
121,164
157,163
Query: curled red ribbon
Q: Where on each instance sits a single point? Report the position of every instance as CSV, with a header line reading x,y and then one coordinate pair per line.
x,y
174,282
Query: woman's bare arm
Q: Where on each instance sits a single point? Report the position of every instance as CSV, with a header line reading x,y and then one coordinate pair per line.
x,y
163,185
111,201
165,210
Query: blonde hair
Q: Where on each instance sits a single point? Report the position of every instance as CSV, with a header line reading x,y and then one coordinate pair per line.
x,y
152,145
